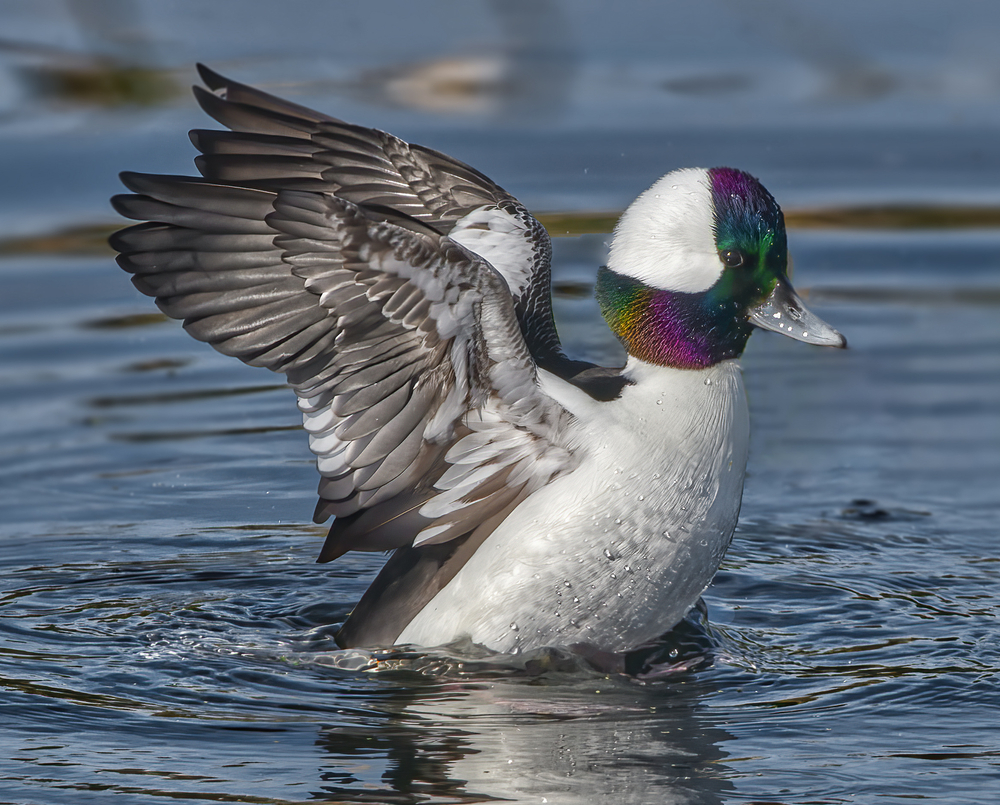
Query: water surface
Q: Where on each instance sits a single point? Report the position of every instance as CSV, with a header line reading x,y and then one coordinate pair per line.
x,y
164,631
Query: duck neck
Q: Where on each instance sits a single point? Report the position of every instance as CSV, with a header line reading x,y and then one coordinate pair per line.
x,y
671,328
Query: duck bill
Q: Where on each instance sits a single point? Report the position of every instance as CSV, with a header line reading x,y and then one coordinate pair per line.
x,y
783,312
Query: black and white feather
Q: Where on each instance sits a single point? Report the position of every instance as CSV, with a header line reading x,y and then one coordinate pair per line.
x,y
405,296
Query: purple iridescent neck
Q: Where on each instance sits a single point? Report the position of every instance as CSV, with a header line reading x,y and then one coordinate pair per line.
x,y
671,328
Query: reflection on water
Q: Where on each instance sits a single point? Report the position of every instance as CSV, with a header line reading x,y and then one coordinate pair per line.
x,y
164,631
574,741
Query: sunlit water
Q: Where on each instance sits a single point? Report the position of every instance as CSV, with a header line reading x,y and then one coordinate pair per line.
x,y
165,634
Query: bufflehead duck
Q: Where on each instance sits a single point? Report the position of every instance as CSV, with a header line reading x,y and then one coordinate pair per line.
x,y
528,499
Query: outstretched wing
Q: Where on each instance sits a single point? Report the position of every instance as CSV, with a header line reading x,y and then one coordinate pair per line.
x,y
277,145
417,388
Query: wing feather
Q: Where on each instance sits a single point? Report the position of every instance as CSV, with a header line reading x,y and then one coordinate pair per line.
x,y
279,145
391,283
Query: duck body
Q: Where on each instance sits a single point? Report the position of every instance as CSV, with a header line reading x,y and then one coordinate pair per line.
x,y
605,554
525,499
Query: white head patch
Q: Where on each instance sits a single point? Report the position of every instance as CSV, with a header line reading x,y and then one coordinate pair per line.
x,y
666,238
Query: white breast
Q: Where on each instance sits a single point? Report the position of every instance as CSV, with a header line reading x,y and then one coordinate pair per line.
x,y
616,552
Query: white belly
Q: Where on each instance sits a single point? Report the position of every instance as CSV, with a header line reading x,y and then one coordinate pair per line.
x,y
616,552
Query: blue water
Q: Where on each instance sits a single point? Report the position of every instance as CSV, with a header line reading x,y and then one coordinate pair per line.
x,y
165,634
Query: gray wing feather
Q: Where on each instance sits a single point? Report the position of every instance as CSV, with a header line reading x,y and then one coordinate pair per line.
x,y
277,145
320,250
381,331
454,290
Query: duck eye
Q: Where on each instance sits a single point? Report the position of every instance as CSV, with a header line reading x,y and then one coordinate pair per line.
x,y
733,258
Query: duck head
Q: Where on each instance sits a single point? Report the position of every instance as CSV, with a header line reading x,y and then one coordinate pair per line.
x,y
696,263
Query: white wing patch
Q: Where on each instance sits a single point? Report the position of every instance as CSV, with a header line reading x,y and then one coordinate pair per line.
x,y
502,241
